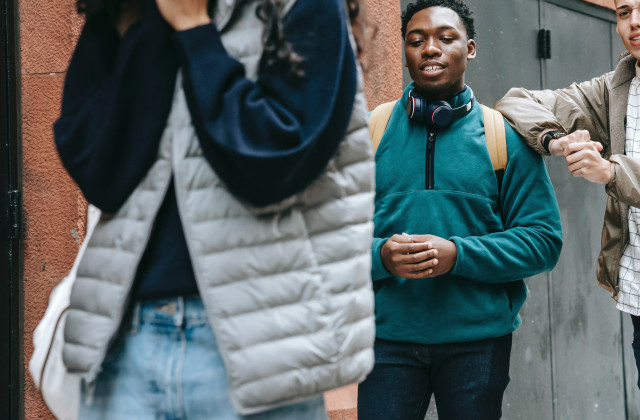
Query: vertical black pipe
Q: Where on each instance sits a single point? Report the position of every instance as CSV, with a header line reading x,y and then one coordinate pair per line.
x,y
11,238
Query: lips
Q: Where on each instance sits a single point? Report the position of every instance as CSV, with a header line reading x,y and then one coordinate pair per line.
x,y
431,66
634,39
432,69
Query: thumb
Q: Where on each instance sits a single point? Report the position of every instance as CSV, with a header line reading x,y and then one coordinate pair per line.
x,y
598,145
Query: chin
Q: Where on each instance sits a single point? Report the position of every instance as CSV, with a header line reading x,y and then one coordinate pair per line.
x,y
635,52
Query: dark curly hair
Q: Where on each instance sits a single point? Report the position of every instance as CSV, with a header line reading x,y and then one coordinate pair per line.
x,y
461,9
276,48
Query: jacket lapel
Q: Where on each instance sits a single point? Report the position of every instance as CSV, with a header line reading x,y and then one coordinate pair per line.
x,y
619,94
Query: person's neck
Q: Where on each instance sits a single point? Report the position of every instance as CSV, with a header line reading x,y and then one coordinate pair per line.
x,y
447,97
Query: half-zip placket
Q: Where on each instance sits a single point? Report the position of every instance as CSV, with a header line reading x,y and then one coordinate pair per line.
x,y
430,159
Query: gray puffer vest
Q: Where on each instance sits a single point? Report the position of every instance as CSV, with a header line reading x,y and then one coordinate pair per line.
x,y
287,288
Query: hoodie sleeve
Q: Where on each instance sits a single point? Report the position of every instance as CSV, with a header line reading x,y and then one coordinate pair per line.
x,y
267,139
532,236
581,106
270,138
116,99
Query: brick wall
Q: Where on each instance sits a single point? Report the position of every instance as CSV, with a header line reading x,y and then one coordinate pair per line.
x,y
54,208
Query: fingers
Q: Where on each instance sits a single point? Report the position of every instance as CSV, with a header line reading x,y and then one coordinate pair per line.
x,y
559,146
415,258
578,136
404,238
577,147
410,248
418,275
585,161
578,169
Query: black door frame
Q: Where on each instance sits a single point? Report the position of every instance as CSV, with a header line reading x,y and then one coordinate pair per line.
x,y
11,242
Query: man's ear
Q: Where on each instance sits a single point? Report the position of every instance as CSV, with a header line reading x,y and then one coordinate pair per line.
x,y
471,49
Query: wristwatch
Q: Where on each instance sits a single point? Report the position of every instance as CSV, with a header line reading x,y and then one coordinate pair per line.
x,y
551,135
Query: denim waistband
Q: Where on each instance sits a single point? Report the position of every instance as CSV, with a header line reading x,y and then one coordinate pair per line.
x,y
179,311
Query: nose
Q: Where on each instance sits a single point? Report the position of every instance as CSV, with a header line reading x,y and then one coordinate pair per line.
x,y
635,18
431,48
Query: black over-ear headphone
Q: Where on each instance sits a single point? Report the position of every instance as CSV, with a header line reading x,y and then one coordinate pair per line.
x,y
438,114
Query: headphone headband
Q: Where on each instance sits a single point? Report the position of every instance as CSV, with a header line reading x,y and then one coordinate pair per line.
x,y
438,114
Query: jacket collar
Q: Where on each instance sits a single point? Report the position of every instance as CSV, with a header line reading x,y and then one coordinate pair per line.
x,y
619,96
625,71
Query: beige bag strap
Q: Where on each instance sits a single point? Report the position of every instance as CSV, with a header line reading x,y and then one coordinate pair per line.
x,y
494,131
495,136
378,121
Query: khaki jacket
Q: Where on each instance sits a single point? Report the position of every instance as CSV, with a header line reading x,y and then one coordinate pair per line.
x,y
599,106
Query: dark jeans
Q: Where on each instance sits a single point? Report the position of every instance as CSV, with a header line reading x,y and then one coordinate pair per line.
x,y
636,342
467,379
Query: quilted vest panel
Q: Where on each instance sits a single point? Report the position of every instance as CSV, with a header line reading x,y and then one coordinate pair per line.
x,y
287,288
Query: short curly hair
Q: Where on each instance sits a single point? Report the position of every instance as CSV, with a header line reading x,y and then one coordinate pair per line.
x,y
461,9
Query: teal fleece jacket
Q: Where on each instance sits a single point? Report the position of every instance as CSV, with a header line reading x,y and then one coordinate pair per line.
x,y
500,238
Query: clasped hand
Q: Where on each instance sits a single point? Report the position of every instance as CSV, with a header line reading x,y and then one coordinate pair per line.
x,y
583,157
418,256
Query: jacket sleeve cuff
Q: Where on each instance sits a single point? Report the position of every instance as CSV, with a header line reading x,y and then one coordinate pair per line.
x,y
540,144
201,44
458,268
378,272
610,188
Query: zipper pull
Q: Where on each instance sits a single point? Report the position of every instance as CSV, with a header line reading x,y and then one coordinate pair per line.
x,y
431,140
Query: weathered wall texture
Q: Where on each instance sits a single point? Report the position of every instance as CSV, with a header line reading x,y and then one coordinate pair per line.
x,y
54,209
383,76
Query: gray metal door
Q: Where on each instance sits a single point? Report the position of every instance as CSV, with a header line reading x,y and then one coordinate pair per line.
x,y
586,351
571,358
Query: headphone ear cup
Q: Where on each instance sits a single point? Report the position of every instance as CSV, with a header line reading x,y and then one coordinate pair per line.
x,y
439,114
411,106
415,106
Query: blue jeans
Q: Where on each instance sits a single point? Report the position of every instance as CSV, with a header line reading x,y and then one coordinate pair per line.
x,y
636,343
467,380
167,366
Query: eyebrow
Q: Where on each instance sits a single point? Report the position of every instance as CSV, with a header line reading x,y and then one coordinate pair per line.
x,y
624,6
440,28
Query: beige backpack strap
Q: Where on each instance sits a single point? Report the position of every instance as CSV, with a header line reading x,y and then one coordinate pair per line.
x,y
378,121
495,136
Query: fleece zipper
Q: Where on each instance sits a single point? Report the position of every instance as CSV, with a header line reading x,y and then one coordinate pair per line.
x,y
430,159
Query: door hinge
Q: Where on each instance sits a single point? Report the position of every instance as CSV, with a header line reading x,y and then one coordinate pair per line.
x,y
13,213
544,44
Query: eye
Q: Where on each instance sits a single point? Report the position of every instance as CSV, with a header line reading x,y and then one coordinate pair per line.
x,y
623,13
446,39
416,43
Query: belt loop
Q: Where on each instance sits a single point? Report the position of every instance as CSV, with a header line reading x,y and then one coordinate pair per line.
x,y
179,317
135,318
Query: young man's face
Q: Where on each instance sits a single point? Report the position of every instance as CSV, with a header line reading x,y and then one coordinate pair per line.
x,y
628,16
437,49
